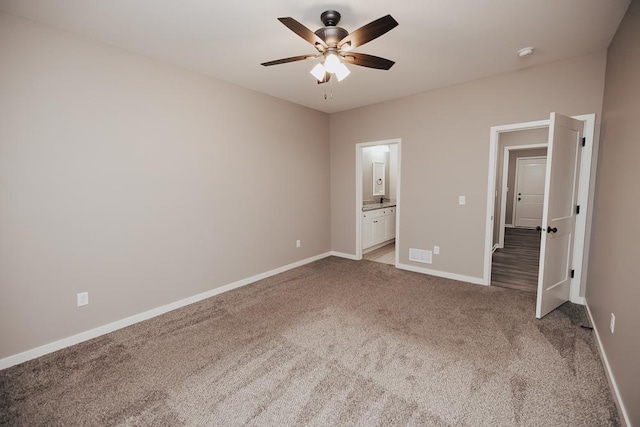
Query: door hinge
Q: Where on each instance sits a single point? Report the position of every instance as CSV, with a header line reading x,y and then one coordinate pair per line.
x,y
584,141
573,273
577,209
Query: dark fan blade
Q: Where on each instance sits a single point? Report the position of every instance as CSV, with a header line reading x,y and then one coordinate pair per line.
x,y
369,32
285,60
304,32
369,61
325,79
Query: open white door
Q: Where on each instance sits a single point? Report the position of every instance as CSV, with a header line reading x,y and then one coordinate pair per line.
x,y
558,216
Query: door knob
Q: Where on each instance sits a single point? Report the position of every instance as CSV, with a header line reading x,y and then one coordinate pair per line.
x,y
538,228
519,198
552,230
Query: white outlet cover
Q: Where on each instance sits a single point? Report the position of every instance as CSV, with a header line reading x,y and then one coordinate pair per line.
x,y
462,200
612,325
83,298
436,250
297,243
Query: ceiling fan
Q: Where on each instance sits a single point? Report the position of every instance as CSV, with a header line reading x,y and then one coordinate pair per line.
x,y
334,45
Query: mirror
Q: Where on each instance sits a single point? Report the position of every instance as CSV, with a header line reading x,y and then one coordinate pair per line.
x,y
378,179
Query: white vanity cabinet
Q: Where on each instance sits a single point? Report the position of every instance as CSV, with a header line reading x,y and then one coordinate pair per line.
x,y
378,226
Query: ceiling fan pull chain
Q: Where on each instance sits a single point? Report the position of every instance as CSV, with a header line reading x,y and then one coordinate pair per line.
x,y
329,96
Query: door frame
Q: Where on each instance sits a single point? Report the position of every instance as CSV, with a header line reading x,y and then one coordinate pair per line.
x,y
359,147
515,187
586,189
503,189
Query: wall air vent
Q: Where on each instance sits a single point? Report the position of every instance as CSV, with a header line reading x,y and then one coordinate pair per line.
x,y
420,255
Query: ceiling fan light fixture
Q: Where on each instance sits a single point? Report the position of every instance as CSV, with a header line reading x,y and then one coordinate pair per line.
x,y
318,72
331,63
342,72
332,43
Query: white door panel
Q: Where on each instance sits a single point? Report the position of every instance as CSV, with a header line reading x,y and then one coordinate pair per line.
x,y
558,217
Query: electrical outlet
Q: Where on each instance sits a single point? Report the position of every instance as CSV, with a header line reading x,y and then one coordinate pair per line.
x,y
436,250
462,200
612,324
83,298
297,243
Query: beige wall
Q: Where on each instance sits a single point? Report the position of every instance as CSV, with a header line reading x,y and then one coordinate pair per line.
x,y
614,271
445,153
141,183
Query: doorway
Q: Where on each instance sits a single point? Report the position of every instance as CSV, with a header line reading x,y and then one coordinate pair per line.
x,y
378,200
577,258
519,192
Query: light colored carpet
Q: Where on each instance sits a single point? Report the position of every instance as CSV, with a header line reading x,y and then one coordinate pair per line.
x,y
335,342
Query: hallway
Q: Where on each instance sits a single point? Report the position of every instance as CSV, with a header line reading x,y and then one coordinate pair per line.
x,y
516,265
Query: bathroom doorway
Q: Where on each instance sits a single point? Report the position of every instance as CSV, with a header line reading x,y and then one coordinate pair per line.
x,y
378,200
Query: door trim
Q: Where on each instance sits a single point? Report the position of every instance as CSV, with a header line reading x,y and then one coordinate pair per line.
x,y
359,147
586,189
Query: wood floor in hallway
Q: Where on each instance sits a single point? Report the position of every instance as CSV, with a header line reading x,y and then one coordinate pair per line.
x,y
516,265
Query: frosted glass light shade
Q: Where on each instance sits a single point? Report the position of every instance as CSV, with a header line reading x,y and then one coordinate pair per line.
x,y
342,72
331,63
318,72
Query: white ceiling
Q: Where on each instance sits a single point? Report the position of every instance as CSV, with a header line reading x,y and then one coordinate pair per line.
x,y
438,42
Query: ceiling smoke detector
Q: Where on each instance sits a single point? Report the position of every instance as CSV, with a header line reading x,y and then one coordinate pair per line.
x,y
525,51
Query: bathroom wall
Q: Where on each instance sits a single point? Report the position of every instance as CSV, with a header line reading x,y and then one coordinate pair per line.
x,y
393,171
370,155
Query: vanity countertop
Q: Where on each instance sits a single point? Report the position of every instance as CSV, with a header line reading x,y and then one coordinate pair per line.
x,y
374,206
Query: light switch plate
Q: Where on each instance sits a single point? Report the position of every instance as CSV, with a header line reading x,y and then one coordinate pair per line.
x,y
462,200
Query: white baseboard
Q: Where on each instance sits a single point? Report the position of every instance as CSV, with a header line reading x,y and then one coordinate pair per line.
x,y
128,321
344,255
607,368
445,274
579,300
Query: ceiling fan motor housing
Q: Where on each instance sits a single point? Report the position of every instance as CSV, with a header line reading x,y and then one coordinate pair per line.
x,y
331,34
